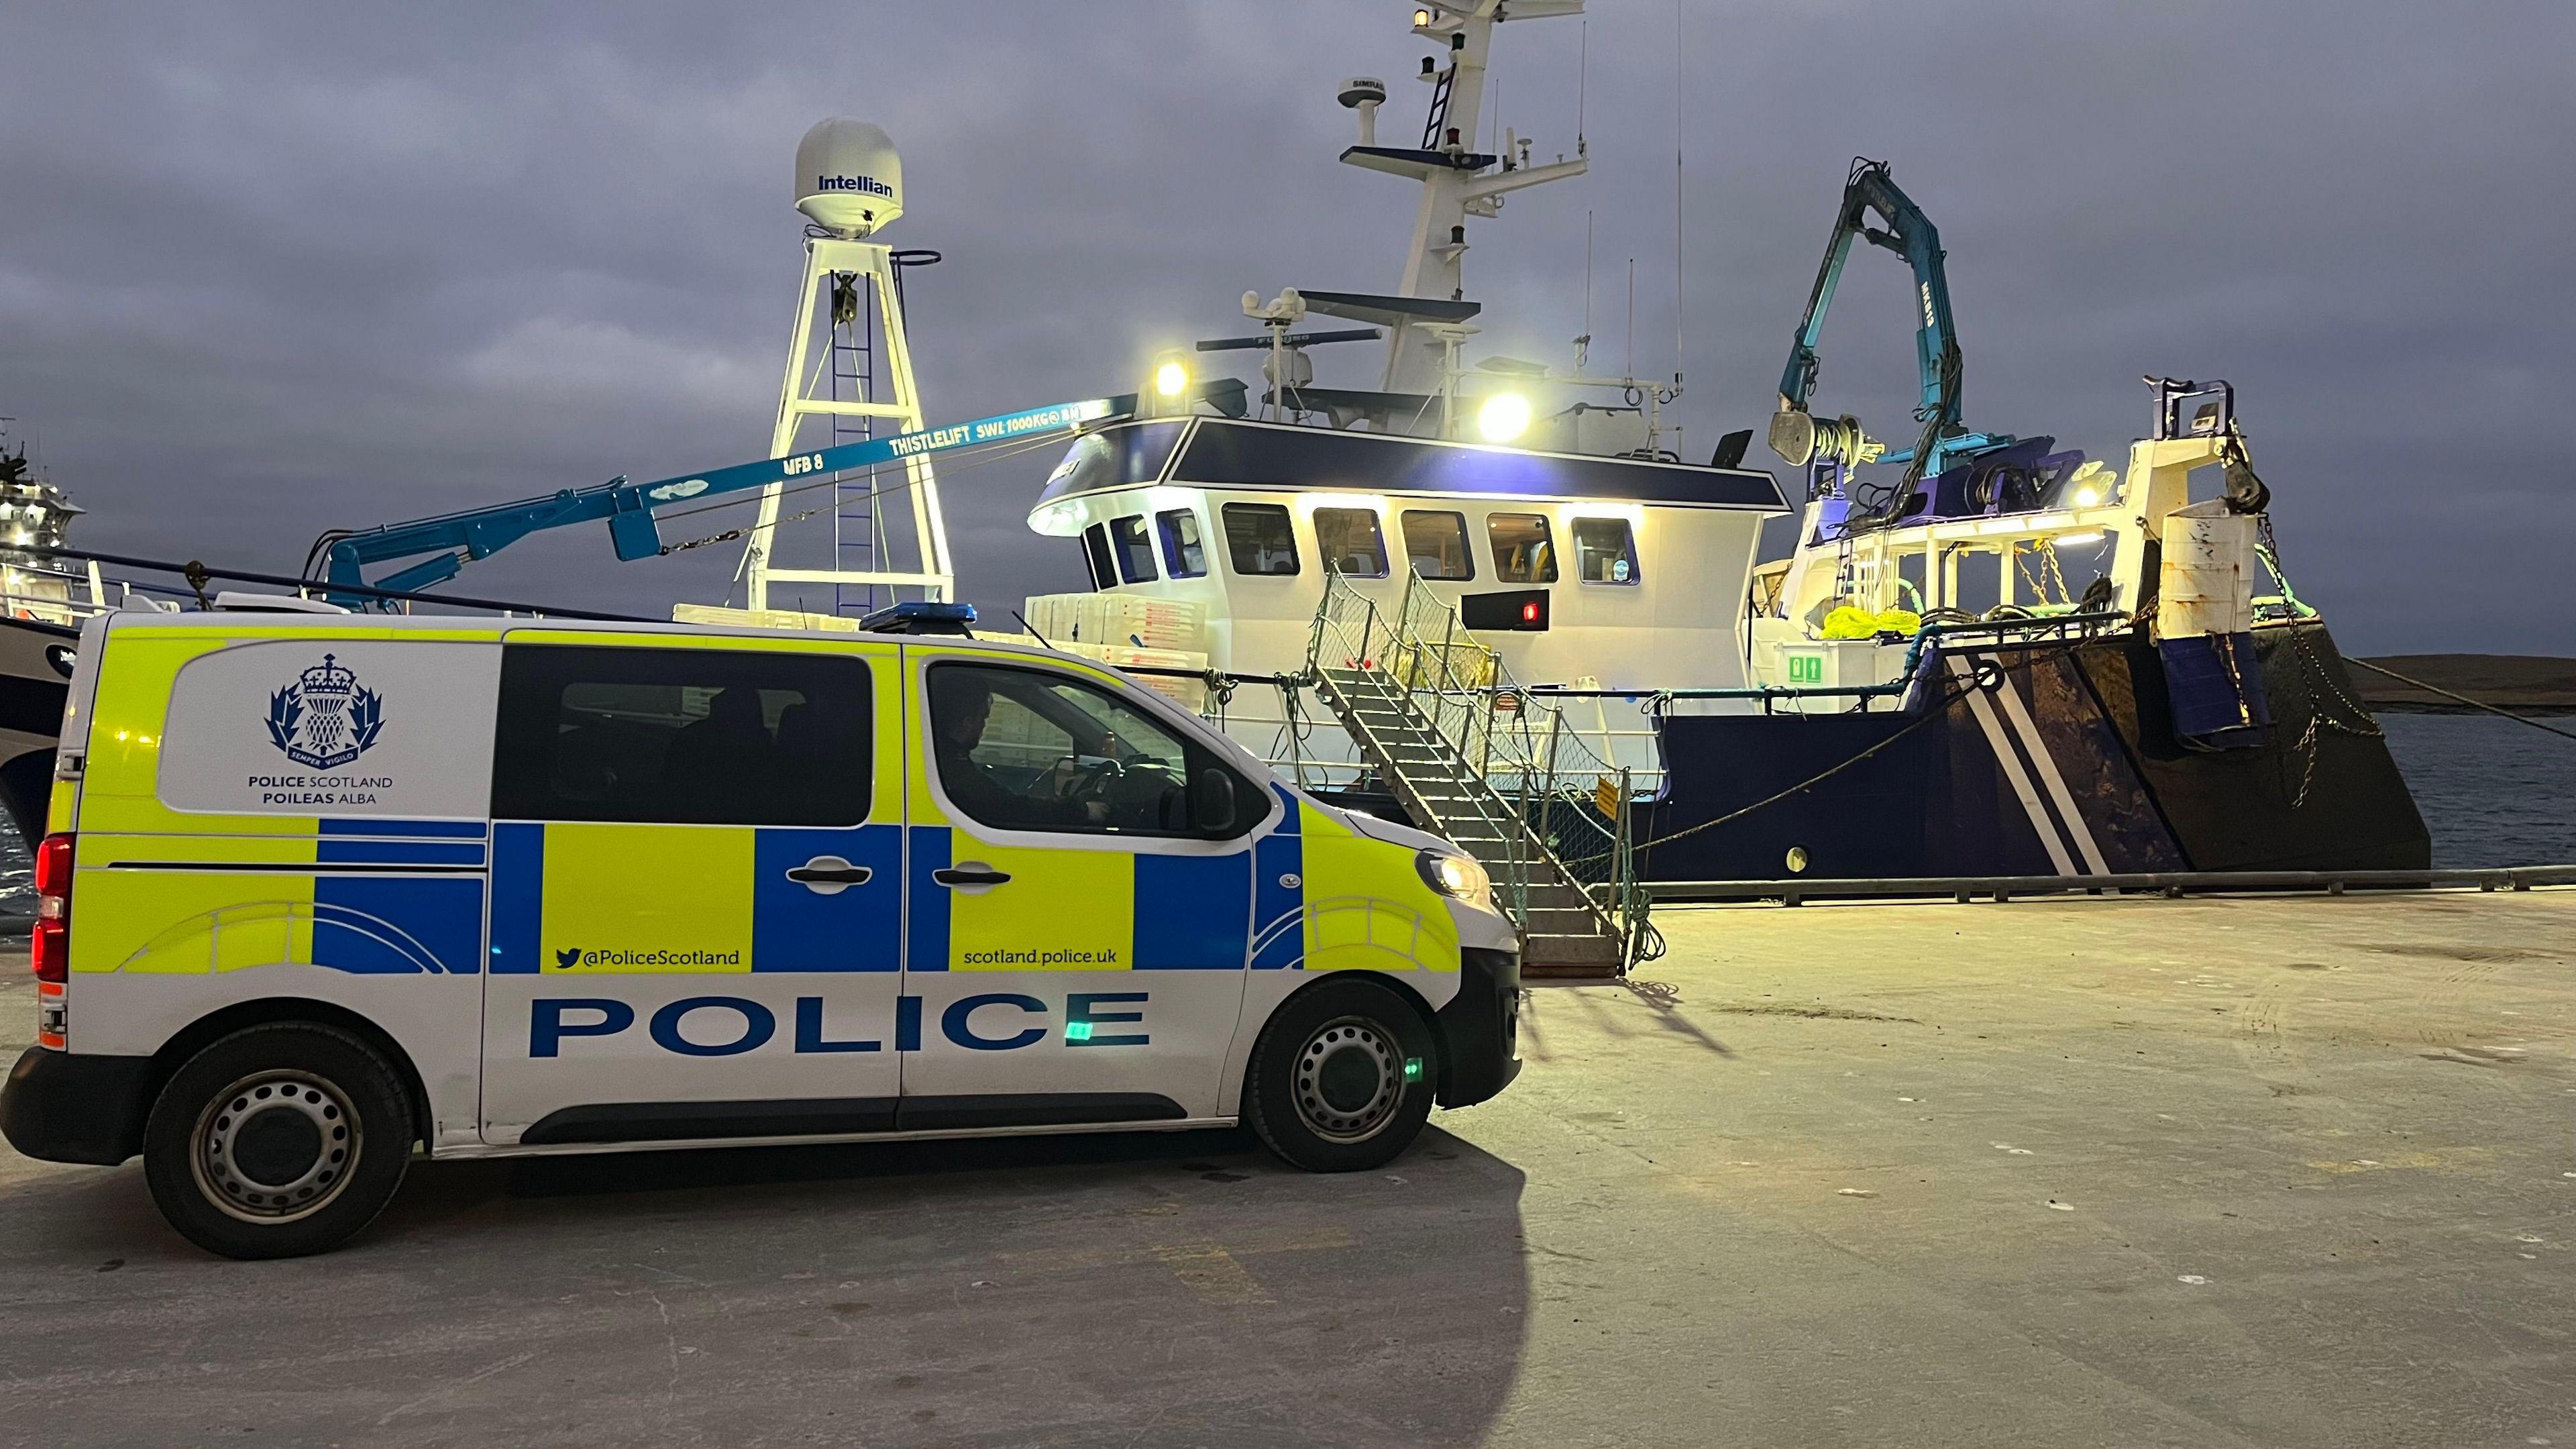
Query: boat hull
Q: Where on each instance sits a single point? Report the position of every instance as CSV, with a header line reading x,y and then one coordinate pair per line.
x,y
2064,763
35,677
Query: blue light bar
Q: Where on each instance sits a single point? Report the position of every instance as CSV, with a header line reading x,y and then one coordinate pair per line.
x,y
919,616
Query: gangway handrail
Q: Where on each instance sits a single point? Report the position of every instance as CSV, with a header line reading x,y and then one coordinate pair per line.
x,y
1417,659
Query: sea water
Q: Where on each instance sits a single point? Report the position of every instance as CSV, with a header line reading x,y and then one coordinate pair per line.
x,y
2492,791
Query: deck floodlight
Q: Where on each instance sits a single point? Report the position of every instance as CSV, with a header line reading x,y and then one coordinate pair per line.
x,y
1504,417
1171,382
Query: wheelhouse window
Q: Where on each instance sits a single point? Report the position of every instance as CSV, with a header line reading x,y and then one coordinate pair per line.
x,y
1260,539
1183,556
1096,553
1351,542
1436,544
681,736
1605,551
1524,550
1135,552
1023,749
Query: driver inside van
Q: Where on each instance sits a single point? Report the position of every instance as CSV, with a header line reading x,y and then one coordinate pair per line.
x,y
961,710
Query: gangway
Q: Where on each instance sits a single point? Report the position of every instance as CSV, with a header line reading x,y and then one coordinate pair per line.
x,y
1474,757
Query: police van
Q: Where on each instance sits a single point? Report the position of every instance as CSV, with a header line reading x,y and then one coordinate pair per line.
x,y
318,889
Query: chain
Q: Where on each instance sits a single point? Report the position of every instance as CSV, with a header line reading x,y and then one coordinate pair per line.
x,y
2049,583
748,529
2322,689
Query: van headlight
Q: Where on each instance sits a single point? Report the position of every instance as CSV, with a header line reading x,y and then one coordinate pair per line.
x,y
1458,877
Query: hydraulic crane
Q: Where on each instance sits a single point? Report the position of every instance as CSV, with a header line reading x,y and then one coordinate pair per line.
x,y
444,544
1800,438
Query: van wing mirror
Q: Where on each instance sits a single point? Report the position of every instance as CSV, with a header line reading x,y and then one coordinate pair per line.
x,y
1212,803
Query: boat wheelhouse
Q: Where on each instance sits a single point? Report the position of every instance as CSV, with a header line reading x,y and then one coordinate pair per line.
x,y
1624,572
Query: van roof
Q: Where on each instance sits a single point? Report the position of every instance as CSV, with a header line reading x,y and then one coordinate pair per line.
x,y
287,623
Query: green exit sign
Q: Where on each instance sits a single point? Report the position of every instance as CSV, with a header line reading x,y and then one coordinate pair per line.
x,y
1806,669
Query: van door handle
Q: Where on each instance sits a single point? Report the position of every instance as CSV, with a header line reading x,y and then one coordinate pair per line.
x,y
829,875
970,876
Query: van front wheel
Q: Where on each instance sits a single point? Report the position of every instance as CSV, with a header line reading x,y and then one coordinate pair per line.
x,y
1342,1078
277,1141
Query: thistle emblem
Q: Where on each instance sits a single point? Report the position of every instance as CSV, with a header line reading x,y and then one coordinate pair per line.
x,y
325,718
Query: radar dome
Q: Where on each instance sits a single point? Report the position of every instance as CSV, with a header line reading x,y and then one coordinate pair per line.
x,y
848,178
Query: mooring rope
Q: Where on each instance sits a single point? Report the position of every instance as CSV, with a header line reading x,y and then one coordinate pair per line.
x,y
2462,698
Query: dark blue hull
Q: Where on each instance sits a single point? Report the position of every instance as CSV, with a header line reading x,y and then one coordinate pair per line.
x,y
2065,763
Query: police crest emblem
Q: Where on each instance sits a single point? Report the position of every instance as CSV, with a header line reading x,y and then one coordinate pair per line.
x,y
325,718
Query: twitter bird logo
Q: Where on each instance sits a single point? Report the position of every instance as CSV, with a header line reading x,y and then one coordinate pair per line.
x,y
568,958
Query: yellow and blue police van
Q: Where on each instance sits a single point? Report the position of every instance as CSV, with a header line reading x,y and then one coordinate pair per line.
x,y
321,890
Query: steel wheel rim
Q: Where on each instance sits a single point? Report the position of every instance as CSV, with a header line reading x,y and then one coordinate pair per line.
x,y
248,1150
1331,1052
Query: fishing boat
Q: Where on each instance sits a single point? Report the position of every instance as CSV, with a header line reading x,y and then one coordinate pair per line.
x,y
41,607
1493,599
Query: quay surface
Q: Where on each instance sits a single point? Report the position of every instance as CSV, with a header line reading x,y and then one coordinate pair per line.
x,y
2281,1171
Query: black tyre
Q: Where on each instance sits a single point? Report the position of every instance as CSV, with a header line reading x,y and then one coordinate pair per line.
x,y
277,1141
1342,1078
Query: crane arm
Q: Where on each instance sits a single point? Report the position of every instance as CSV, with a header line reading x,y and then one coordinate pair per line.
x,y
444,544
1872,192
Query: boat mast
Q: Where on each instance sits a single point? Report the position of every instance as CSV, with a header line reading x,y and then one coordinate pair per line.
x,y
1457,181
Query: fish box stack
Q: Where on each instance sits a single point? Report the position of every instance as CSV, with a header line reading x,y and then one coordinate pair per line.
x,y
1125,631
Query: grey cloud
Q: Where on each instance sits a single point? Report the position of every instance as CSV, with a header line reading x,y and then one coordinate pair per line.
x,y
270,269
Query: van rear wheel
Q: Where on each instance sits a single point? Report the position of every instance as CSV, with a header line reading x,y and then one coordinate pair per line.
x,y
277,1141
1342,1077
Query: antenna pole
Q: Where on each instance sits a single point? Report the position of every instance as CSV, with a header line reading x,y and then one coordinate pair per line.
x,y
1583,344
1631,372
1677,198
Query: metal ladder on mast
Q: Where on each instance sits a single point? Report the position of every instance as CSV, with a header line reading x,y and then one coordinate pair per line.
x,y
853,363
1504,791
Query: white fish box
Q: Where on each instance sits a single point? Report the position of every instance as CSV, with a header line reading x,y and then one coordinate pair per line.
x,y
761,618
1128,619
1189,694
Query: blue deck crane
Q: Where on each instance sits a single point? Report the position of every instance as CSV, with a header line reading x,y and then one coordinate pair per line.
x,y
444,544
1800,438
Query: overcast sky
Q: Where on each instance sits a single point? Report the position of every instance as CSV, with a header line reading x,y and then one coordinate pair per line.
x,y
270,269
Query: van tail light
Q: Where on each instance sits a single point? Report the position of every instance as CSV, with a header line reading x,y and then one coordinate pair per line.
x,y
52,945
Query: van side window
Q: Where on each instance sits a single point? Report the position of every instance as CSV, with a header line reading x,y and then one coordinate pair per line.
x,y
1183,558
1350,542
1436,544
1024,749
1095,552
1523,551
1135,551
1605,551
681,736
1260,538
